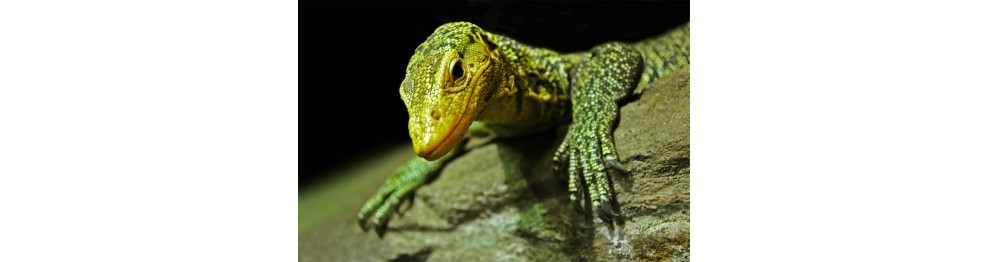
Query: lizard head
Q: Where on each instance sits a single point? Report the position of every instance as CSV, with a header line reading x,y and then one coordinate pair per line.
x,y
447,83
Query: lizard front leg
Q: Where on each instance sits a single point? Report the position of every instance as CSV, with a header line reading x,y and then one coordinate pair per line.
x,y
400,186
597,82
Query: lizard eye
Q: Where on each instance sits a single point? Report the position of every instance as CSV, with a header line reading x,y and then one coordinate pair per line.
x,y
457,70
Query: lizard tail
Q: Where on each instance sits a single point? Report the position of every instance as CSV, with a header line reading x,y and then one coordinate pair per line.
x,y
663,55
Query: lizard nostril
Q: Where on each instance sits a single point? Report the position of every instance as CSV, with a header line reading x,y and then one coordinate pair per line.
x,y
435,115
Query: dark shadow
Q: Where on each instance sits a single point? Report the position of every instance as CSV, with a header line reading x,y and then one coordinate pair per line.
x,y
422,255
533,155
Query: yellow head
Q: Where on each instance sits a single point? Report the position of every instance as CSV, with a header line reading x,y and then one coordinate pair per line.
x,y
448,82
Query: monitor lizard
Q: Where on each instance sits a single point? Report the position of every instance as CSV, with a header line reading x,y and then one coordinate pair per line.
x,y
466,82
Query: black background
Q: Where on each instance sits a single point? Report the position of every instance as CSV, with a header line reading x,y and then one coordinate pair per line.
x,y
353,57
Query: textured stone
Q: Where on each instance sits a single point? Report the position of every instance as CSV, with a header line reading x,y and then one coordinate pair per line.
x,y
501,202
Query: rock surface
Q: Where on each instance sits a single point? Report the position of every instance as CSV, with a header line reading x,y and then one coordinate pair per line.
x,y
500,201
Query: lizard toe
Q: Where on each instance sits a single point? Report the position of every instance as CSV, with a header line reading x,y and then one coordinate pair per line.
x,y
380,221
368,211
608,149
560,159
388,208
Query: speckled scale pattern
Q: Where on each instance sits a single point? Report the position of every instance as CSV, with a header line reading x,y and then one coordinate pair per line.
x,y
663,55
598,83
517,89
542,98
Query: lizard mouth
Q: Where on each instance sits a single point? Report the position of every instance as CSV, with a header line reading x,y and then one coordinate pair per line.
x,y
434,147
438,130
441,122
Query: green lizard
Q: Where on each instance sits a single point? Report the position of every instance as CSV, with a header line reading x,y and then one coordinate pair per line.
x,y
466,82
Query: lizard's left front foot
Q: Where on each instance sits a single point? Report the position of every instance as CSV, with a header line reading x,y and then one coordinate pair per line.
x,y
585,154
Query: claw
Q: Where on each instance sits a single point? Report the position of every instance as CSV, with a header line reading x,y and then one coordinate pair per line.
x,y
606,210
363,216
602,214
379,229
614,163
363,223
606,205
577,206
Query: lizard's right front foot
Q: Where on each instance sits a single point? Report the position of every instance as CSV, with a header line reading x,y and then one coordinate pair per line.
x,y
400,187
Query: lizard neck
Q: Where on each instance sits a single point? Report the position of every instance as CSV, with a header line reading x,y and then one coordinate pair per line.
x,y
533,66
535,88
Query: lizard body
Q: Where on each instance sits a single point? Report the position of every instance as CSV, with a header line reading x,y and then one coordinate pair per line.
x,y
463,81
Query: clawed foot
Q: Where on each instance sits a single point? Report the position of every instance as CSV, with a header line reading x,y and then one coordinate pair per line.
x,y
379,209
398,189
585,155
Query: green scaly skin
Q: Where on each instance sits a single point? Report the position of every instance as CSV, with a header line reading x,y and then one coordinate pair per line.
x,y
463,81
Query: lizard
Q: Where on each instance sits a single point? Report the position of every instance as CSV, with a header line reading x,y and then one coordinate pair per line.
x,y
466,82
